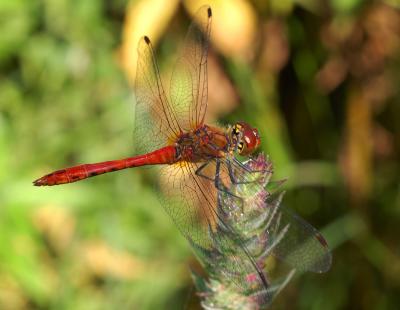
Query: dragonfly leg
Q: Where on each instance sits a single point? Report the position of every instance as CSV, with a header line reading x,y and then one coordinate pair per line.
x,y
217,180
200,173
221,187
247,171
271,186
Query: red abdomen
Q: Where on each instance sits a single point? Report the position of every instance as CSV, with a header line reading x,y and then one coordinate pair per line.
x,y
165,155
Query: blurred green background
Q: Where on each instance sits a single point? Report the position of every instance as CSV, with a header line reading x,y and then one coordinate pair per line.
x,y
320,81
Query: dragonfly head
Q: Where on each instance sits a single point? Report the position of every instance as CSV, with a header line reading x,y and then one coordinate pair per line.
x,y
245,138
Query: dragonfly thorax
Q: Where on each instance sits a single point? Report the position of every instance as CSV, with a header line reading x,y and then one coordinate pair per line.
x,y
207,142
202,144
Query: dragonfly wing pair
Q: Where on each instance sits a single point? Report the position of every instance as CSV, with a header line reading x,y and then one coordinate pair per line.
x,y
190,199
158,118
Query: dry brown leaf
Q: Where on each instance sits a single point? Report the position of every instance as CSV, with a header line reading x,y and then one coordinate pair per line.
x,y
56,225
145,17
103,261
234,26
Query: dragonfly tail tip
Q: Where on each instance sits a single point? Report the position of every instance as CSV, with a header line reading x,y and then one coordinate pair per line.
x,y
40,182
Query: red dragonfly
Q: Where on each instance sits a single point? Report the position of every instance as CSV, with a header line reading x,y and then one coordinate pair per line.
x,y
198,159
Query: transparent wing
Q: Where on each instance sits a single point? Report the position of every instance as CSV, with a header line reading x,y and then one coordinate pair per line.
x,y
191,201
155,120
188,89
288,236
301,246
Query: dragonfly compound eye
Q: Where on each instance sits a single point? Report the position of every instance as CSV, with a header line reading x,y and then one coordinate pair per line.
x,y
250,139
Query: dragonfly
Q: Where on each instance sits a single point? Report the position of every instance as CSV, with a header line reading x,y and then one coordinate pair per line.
x,y
197,160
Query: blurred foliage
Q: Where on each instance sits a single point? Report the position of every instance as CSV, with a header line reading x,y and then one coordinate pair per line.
x,y
318,80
